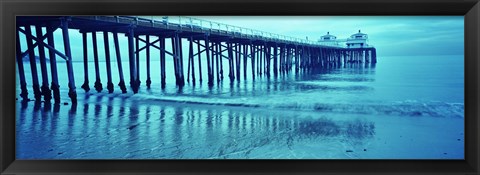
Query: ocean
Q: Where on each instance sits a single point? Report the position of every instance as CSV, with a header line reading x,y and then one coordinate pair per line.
x,y
403,107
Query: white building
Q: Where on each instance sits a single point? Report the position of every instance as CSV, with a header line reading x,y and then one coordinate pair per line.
x,y
328,39
357,40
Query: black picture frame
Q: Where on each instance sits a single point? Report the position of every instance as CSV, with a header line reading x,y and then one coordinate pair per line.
x,y
9,9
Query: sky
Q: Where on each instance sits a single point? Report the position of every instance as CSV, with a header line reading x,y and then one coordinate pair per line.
x,y
390,35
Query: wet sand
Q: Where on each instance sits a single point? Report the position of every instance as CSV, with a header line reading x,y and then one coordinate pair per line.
x,y
110,126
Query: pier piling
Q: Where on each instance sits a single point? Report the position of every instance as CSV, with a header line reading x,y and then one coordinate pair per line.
x,y
108,62
259,60
275,60
199,62
230,61
21,71
162,62
180,59
47,94
191,64
71,78
282,55
98,83
147,50
237,60
252,54
121,84
217,60
53,65
245,58
33,65
131,55
85,85
209,68
137,61
213,56
267,60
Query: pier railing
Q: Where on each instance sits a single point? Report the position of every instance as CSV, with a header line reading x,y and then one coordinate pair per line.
x,y
206,26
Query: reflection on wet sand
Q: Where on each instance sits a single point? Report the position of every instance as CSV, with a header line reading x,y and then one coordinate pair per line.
x,y
111,127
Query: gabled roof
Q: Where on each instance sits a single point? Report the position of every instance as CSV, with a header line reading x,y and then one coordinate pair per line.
x,y
328,35
359,34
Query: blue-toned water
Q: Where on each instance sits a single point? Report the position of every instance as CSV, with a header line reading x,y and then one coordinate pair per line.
x,y
409,107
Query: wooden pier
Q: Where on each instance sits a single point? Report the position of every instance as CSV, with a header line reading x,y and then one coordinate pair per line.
x,y
237,47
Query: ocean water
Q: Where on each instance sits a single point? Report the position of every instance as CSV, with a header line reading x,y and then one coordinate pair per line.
x,y
405,107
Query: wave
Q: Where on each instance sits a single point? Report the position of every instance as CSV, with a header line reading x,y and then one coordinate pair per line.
x,y
398,108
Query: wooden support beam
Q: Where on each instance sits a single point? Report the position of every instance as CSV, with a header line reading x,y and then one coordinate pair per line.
x,y
237,61
175,58
324,56
302,58
217,51
149,81
219,47
162,62
71,78
218,57
190,48
360,56
210,74
21,71
85,85
292,58
47,94
161,49
265,59
275,62
268,58
176,45
202,45
33,66
182,79
98,81
252,53
289,60
339,55
192,60
199,62
260,60
108,63
230,61
285,59
53,64
367,56
213,56
296,59
350,55
310,57
121,84
245,56
39,41
307,58
137,61
147,43
131,55
282,55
